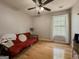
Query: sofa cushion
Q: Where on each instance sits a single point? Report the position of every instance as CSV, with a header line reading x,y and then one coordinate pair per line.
x,y
15,49
27,34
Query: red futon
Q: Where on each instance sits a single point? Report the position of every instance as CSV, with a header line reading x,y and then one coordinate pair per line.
x,y
19,46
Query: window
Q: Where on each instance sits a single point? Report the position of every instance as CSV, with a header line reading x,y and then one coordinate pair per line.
x,y
60,26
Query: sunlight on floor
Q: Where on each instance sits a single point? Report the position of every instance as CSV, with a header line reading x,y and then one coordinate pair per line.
x,y
58,53
46,50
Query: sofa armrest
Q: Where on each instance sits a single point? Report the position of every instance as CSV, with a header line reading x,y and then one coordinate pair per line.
x,y
34,36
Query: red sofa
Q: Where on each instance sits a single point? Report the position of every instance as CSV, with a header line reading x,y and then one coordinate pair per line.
x,y
19,46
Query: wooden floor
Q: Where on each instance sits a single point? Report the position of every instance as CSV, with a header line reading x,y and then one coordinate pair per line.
x,y
44,50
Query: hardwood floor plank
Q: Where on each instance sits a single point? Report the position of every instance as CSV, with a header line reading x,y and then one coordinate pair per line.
x,y
44,50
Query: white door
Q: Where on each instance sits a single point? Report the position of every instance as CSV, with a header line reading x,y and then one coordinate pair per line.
x,y
60,28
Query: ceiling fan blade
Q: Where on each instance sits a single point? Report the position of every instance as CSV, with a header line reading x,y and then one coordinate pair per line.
x,y
31,8
47,1
34,1
47,9
40,2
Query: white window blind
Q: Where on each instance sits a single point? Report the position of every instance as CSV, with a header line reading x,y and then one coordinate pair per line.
x,y
60,26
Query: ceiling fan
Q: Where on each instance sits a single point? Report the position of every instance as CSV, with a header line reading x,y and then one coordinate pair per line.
x,y
40,5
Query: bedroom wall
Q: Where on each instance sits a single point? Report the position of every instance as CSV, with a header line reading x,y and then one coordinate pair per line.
x,y
75,19
12,21
43,24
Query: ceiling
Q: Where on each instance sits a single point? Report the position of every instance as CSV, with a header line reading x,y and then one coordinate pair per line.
x,y
23,5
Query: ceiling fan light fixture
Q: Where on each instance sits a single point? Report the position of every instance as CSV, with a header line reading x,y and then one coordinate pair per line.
x,y
41,9
40,5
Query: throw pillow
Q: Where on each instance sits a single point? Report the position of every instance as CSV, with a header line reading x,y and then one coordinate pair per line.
x,y
22,37
9,37
8,43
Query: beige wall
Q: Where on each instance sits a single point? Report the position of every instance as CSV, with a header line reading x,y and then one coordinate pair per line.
x,y
12,21
43,24
75,19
